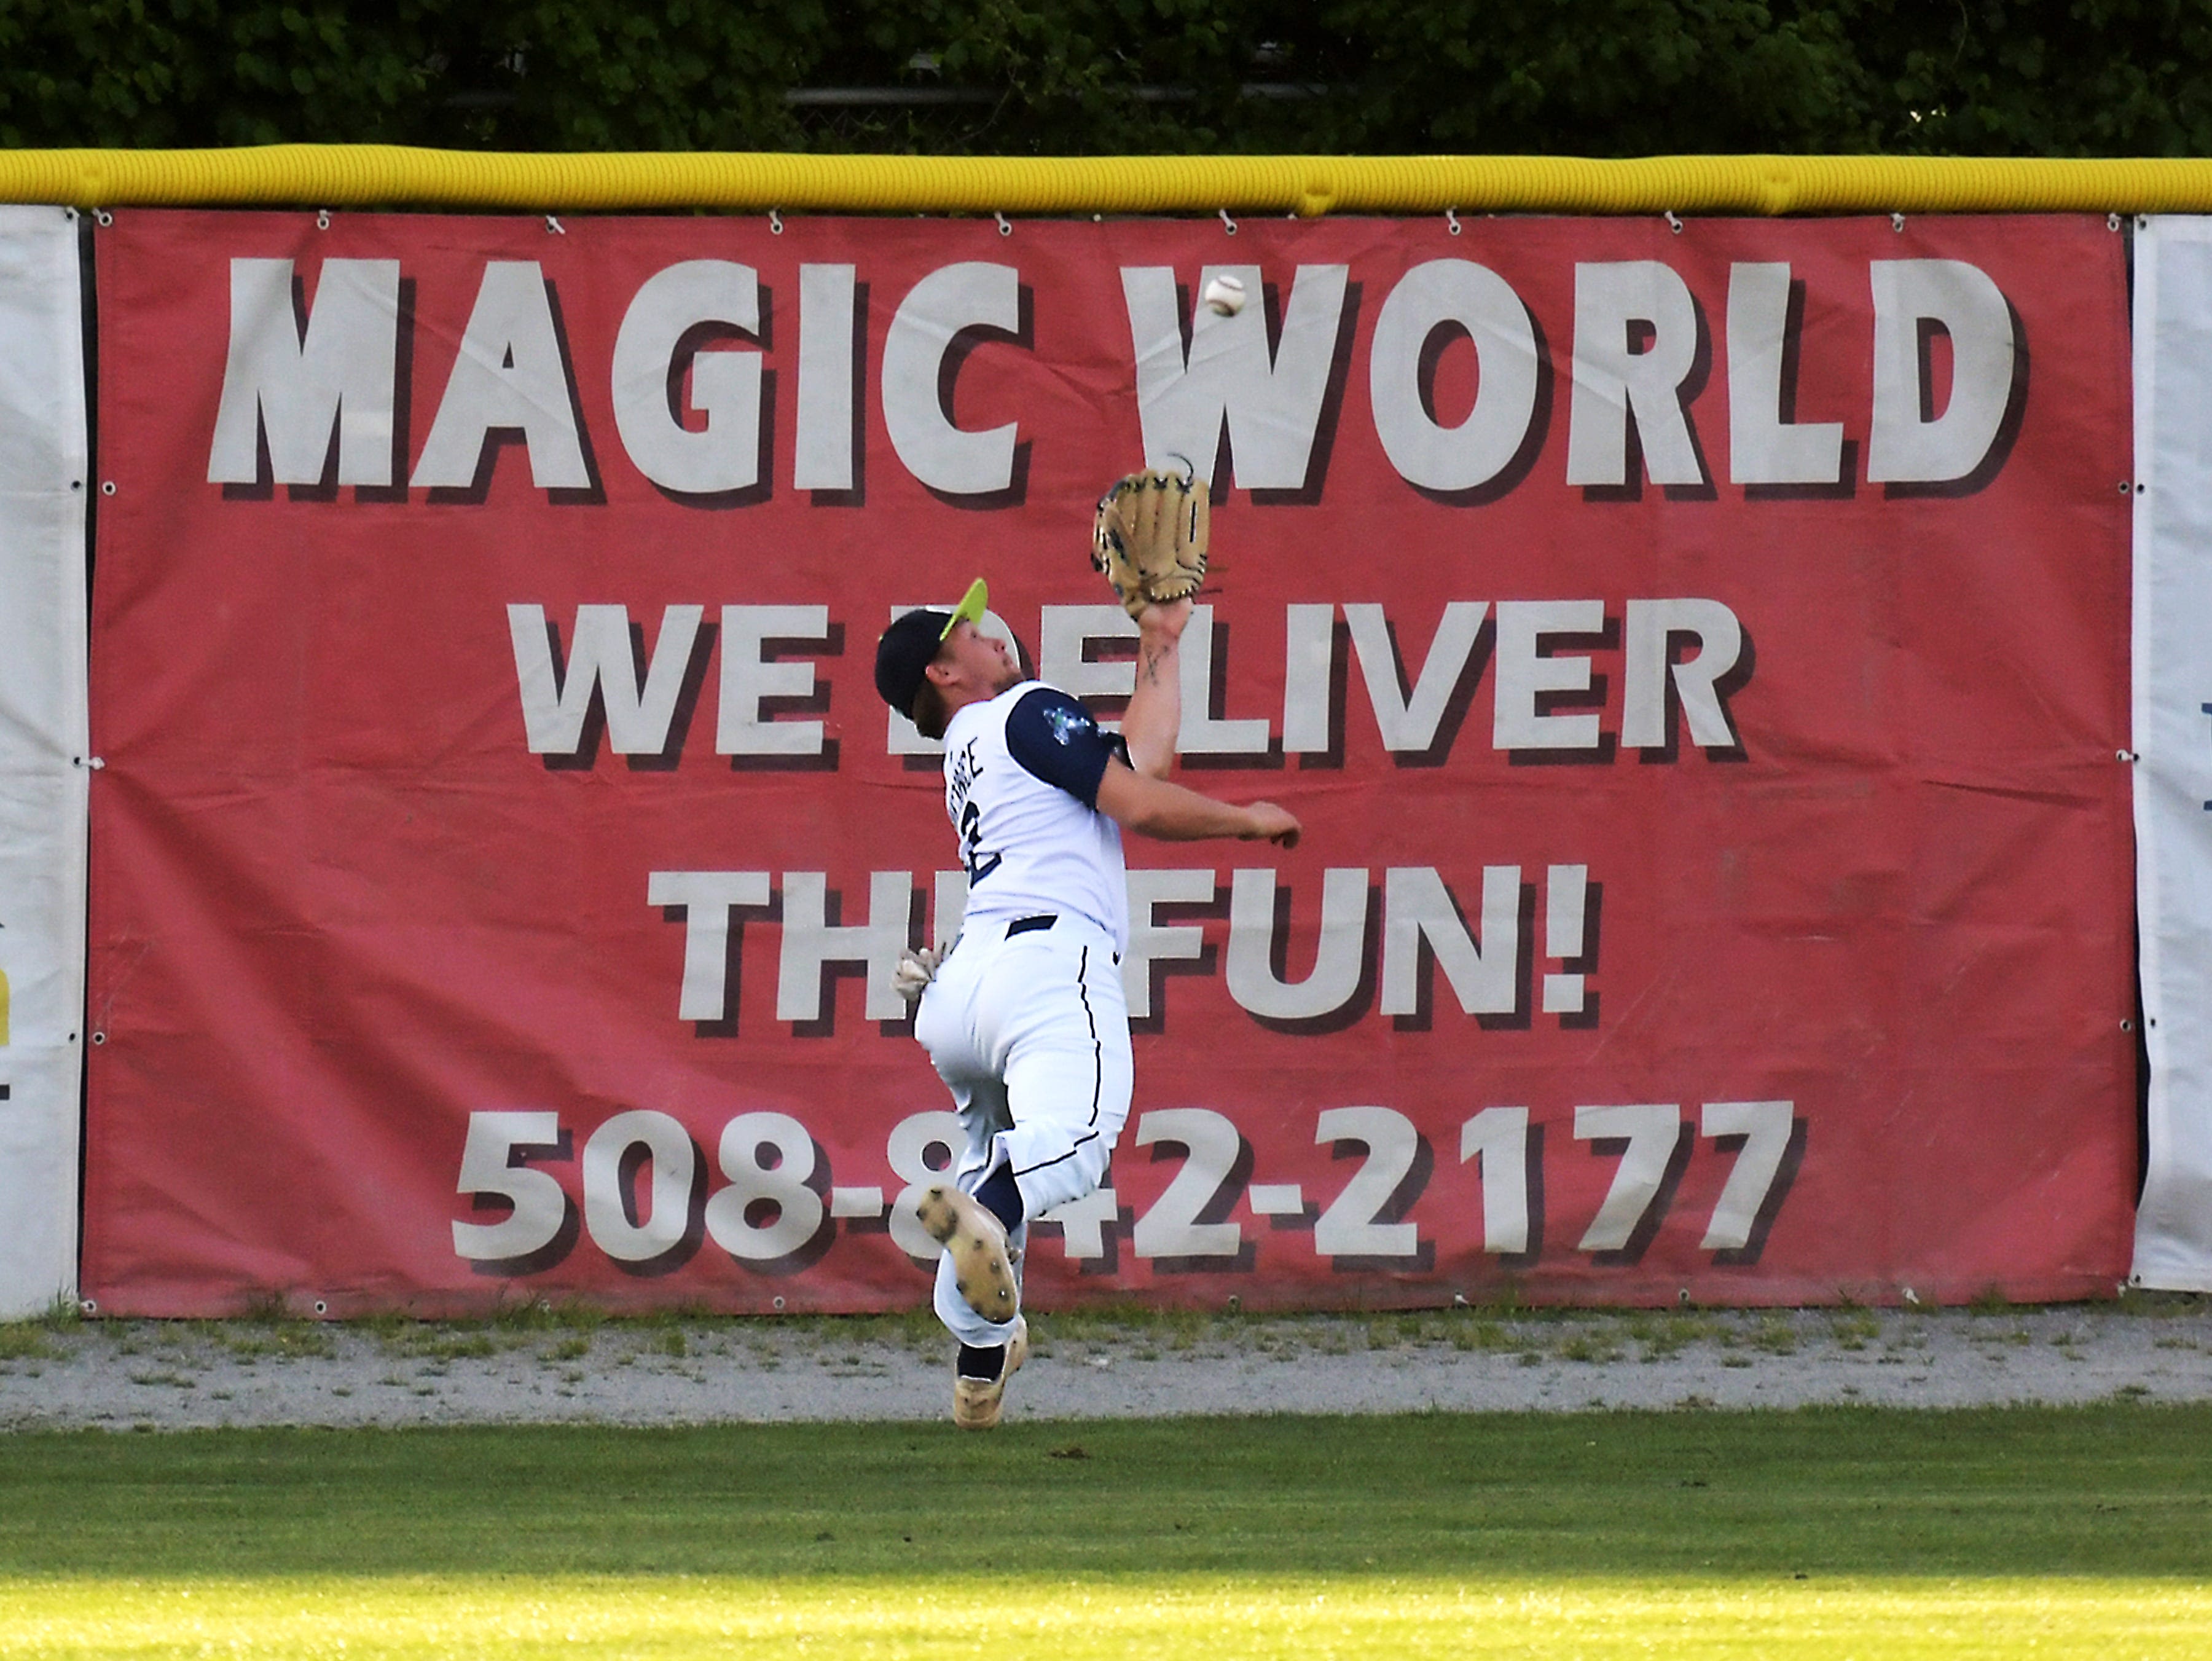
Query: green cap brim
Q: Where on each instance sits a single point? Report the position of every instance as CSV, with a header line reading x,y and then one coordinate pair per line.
x,y
970,608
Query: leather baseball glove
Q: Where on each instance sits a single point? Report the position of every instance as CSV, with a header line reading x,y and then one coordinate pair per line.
x,y
1149,538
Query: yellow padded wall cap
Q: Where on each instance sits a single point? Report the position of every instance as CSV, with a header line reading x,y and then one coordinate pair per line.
x,y
395,176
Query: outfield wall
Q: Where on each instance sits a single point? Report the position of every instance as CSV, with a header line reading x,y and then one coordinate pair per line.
x,y
1699,650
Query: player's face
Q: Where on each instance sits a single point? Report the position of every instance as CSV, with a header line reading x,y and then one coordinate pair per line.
x,y
981,660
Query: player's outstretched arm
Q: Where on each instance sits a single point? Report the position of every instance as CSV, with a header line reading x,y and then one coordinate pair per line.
x,y
1168,812
1154,718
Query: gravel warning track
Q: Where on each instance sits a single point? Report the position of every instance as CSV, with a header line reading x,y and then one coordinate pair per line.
x,y
128,1375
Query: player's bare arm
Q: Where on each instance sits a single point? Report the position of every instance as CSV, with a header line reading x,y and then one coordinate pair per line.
x,y
1154,717
1166,812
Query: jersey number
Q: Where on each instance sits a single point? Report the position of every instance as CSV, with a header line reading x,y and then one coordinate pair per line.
x,y
980,864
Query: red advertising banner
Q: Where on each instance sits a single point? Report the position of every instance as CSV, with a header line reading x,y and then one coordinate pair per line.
x,y
1696,653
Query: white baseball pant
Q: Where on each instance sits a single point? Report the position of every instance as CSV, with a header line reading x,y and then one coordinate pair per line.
x,y
1028,1028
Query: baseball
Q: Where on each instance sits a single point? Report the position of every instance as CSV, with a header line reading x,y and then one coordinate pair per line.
x,y
1225,295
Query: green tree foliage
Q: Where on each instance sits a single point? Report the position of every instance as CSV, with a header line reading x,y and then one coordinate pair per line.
x,y
1576,78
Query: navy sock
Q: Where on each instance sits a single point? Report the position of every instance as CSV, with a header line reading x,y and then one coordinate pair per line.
x,y
1001,1198
984,1363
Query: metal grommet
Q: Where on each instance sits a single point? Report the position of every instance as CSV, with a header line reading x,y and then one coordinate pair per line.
x,y
321,1308
1005,228
102,217
776,1303
774,222
2112,221
2127,1026
1451,221
1897,221
90,1305
108,487
1227,223
322,219
99,1037
1672,223
2126,489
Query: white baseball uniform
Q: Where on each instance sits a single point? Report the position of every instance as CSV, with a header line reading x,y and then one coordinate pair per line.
x,y
1025,1020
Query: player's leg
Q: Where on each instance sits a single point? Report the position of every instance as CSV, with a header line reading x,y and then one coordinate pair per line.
x,y
1059,1034
977,1293
1068,1072
978,1289
1048,1047
1032,1039
978,1256
1047,1053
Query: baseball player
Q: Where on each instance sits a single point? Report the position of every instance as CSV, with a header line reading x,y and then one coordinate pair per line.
x,y
1023,1015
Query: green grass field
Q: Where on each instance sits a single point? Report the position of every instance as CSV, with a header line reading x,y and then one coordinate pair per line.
x,y
1836,1533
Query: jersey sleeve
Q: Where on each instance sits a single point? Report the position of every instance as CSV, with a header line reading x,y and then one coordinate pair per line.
x,y
1056,739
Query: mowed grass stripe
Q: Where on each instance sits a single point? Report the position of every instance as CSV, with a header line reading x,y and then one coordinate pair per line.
x,y
1171,1617
2113,1489
2060,1531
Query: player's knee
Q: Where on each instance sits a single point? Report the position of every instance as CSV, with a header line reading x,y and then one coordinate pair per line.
x,y
1089,1167
1073,1177
1094,1164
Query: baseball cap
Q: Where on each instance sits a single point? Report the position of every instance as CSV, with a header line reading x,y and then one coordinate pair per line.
x,y
905,654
